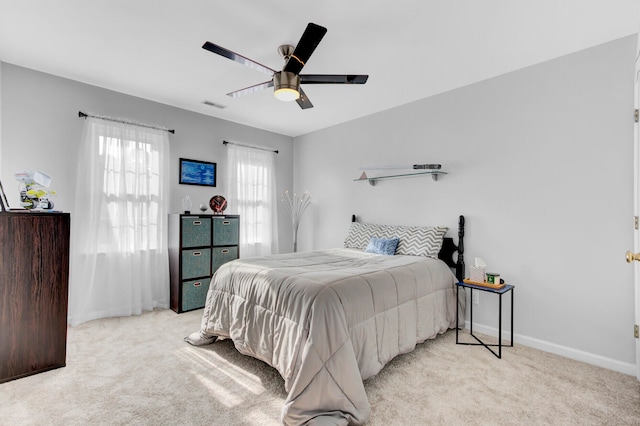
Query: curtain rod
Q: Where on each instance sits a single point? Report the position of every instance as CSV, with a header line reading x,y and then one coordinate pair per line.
x,y
84,115
250,146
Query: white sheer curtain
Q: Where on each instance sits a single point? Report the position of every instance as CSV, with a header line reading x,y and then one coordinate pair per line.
x,y
252,195
119,258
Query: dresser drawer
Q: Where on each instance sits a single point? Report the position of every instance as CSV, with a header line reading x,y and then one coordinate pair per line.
x,y
222,255
225,231
196,263
194,293
196,231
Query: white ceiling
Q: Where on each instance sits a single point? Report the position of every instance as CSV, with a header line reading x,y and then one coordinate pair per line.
x,y
410,49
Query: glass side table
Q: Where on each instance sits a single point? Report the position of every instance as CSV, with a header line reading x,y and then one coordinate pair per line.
x,y
500,292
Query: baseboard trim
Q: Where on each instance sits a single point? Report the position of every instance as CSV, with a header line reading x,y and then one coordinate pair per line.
x,y
567,352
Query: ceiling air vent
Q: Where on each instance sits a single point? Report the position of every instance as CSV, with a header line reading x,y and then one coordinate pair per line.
x,y
213,104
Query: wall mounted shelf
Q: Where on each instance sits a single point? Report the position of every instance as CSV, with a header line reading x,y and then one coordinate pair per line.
x,y
372,180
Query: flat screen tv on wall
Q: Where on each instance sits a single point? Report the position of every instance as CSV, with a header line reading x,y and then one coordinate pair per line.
x,y
195,172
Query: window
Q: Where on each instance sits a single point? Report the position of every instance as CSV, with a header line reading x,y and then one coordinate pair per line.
x,y
131,190
252,189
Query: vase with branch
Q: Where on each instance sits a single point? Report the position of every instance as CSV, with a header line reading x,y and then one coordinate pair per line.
x,y
296,206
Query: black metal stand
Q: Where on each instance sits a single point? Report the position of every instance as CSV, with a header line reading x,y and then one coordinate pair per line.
x,y
499,292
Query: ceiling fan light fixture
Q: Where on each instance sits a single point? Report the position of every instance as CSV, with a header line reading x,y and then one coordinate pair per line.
x,y
286,94
286,86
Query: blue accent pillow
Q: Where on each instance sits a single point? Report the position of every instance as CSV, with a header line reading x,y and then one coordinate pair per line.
x,y
386,246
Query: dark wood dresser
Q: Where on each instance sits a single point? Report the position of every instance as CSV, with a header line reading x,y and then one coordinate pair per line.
x,y
34,276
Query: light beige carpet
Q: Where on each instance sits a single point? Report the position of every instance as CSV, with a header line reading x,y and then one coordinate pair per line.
x,y
138,371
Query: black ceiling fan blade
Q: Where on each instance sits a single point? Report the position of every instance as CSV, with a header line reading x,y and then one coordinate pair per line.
x,y
303,100
219,50
333,78
308,42
251,89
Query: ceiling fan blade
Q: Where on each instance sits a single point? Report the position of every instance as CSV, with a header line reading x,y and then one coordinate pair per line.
x,y
251,89
303,100
219,50
307,44
333,79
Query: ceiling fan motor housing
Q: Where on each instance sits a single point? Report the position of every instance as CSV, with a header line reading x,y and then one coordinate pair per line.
x,y
286,85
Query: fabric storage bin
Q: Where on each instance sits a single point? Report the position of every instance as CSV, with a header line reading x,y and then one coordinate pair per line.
x,y
194,293
196,231
225,231
196,263
222,255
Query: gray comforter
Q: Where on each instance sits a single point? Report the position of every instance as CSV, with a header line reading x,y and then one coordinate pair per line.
x,y
327,320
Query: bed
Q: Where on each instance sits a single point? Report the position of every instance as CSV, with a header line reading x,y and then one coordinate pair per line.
x,y
329,319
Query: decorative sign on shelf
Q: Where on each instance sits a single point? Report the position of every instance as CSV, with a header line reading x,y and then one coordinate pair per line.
x,y
427,166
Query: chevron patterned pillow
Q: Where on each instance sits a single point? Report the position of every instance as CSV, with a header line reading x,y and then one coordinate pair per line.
x,y
359,235
422,241
414,240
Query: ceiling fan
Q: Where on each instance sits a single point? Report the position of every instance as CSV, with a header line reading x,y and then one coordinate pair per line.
x,y
286,83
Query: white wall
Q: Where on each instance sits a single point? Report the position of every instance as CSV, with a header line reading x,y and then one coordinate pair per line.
x,y
539,162
41,131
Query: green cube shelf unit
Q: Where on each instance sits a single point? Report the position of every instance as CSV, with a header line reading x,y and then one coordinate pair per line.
x,y
198,245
